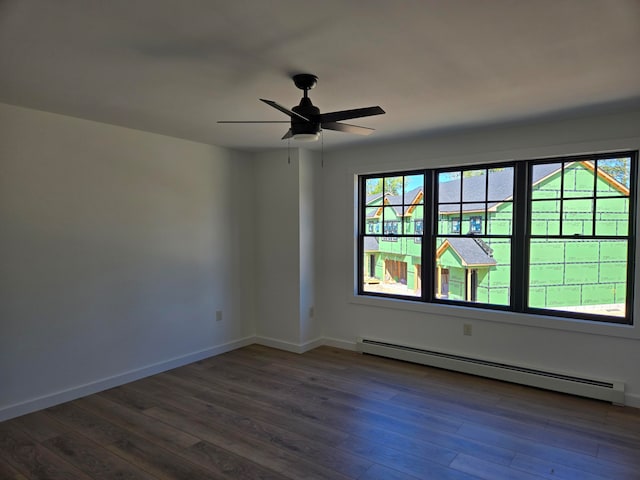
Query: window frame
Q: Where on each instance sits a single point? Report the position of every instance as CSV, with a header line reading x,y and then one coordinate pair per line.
x,y
520,237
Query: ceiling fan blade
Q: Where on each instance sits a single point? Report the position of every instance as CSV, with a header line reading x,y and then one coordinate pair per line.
x,y
289,134
284,110
347,114
253,121
345,127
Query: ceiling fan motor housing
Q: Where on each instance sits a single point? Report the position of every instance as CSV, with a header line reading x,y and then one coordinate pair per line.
x,y
307,110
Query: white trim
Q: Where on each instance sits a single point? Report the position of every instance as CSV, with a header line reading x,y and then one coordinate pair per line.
x,y
500,316
49,400
339,343
289,346
632,400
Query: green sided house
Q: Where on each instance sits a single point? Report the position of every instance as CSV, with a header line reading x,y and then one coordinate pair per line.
x,y
573,206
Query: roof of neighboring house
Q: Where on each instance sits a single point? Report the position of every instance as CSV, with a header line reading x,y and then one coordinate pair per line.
x,y
472,251
395,201
500,189
371,244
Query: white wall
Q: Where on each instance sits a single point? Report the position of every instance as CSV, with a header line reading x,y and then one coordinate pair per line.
x,y
287,206
310,217
609,352
277,272
117,249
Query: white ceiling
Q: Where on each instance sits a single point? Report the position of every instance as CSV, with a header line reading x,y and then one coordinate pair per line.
x,y
176,67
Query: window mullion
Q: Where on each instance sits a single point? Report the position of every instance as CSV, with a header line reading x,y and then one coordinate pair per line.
x,y
521,230
428,236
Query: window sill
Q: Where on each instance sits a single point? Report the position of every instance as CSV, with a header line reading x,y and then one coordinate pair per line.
x,y
498,316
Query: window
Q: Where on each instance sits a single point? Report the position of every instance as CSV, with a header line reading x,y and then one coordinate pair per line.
x,y
553,236
391,261
478,261
579,237
475,225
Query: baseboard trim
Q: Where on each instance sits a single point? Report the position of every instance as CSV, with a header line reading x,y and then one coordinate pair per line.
x,y
46,401
631,400
338,343
289,346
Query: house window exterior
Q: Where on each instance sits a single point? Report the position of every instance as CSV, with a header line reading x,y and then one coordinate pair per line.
x,y
553,237
475,224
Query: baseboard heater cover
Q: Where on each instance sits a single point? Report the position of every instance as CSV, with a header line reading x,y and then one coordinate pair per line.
x,y
609,391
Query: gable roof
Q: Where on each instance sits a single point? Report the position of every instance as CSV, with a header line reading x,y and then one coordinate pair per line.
x,y
473,252
500,189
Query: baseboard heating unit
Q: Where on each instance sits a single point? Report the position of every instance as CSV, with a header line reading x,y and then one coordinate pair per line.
x,y
609,391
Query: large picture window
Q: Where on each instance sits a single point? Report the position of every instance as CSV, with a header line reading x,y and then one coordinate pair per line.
x,y
553,236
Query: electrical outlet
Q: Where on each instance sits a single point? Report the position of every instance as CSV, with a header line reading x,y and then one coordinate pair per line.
x,y
466,329
218,315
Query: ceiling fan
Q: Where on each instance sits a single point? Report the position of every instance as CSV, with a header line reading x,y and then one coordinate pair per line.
x,y
306,119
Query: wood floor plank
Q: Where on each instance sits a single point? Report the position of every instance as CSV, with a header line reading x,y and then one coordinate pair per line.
x,y
295,388
90,425
329,414
229,464
31,458
489,471
191,397
138,423
264,453
379,472
550,469
158,461
93,460
545,451
41,426
7,472
284,438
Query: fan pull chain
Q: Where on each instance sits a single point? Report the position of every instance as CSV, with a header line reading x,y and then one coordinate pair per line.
x,y
321,148
289,151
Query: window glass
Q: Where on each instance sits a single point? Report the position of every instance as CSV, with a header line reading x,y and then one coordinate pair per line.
x,y
393,189
499,220
578,180
612,216
500,184
581,276
449,187
616,179
414,185
545,180
474,185
577,217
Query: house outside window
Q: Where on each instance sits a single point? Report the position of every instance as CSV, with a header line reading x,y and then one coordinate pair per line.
x,y
553,236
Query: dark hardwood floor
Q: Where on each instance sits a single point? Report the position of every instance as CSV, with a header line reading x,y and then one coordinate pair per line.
x,y
260,413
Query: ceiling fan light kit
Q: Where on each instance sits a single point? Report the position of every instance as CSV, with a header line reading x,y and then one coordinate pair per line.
x,y
306,119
